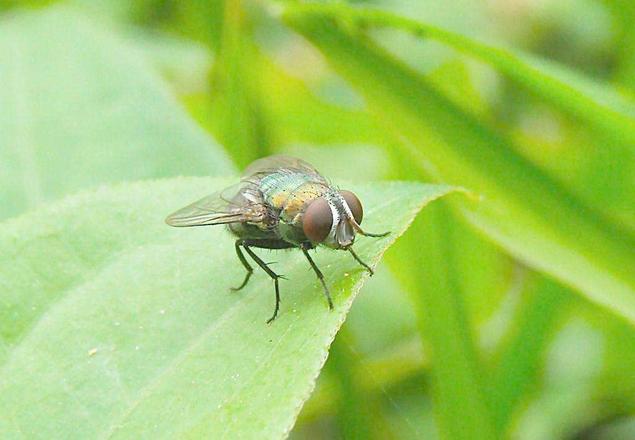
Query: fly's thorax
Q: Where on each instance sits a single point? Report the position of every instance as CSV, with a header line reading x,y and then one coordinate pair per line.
x,y
291,201
280,189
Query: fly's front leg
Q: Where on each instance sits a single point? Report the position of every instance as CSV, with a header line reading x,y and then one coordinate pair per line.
x,y
243,260
319,274
359,260
271,273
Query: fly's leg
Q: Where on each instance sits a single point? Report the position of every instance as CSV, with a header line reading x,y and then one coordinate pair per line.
x,y
319,275
359,260
243,260
371,234
274,276
359,229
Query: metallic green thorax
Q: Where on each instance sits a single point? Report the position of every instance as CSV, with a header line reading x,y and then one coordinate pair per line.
x,y
289,193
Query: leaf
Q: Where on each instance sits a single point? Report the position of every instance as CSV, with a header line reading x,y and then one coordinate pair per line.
x,y
449,292
236,113
184,63
432,275
522,209
112,324
80,108
520,361
593,103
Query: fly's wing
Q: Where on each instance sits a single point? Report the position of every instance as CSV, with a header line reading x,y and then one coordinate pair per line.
x,y
281,164
241,203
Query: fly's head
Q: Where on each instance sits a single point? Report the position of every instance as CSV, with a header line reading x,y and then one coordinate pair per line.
x,y
333,219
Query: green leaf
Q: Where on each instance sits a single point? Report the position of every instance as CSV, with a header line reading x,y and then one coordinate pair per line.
x,y
80,108
449,292
522,208
112,324
520,362
593,103
623,14
236,113
431,273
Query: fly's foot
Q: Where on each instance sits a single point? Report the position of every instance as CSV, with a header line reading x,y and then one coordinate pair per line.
x,y
276,277
361,262
243,284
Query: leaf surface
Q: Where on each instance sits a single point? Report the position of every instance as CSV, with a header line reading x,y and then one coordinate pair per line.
x,y
114,325
81,108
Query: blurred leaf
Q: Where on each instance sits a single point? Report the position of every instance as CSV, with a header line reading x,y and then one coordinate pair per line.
x,y
593,103
564,405
113,324
201,20
79,109
615,390
297,114
383,320
235,88
376,350
456,278
354,407
428,268
601,175
184,63
377,375
624,13
115,10
454,80
522,209
520,362
292,111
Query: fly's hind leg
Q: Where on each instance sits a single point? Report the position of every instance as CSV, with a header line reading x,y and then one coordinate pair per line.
x,y
274,276
243,260
320,276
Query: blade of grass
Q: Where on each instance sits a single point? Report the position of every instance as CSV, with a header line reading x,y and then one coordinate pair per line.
x,y
593,103
235,108
354,408
200,20
520,360
624,14
294,113
522,208
427,269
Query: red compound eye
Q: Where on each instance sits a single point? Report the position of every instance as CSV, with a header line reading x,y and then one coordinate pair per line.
x,y
354,205
318,220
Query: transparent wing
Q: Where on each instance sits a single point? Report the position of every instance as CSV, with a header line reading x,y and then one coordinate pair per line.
x,y
239,203
281,164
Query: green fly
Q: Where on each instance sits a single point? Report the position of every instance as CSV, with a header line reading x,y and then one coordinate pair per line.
x,y
281,203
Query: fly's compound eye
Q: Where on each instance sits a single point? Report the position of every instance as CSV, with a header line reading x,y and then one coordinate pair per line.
x,y
354,205
318,220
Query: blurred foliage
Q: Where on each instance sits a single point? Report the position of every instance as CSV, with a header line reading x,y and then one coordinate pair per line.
x,y
506,316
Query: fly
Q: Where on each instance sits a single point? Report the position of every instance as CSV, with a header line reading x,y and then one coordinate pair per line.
x,y
281,203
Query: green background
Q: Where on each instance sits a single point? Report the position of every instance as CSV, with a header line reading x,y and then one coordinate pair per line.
x,y
504,311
